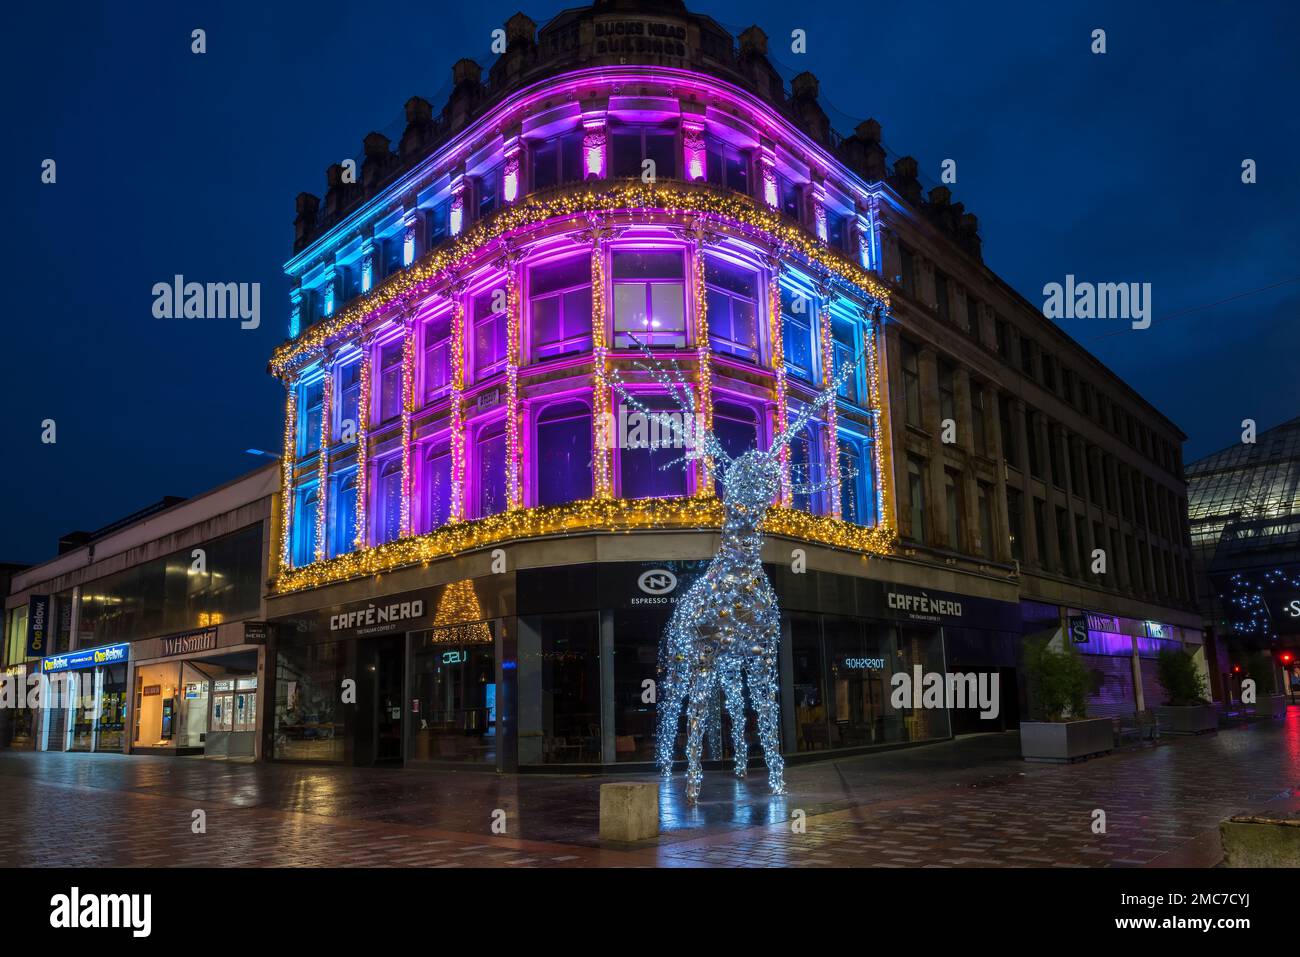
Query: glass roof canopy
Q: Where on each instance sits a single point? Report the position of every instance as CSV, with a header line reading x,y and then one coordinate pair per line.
x,y
1243,502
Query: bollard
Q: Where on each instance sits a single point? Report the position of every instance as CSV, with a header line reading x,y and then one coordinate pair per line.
x,y
629,811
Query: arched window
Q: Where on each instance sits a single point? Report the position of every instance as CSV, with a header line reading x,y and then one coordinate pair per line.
x,y
437,488
388,522
490,470
343,528
304,527
563,457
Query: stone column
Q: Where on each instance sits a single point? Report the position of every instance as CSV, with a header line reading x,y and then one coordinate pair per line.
x,y
323,457
1030,526
514,497
287,460
1001,521
408,411
928,362
831,444
776,338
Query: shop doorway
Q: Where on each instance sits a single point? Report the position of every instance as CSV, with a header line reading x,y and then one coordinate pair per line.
x,y
379,700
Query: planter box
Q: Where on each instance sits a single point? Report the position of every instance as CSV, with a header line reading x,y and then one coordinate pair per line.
x,y
1065,740
1188,719
1270,706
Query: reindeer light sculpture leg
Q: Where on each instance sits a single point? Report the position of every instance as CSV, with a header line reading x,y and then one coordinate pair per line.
x,y
725,632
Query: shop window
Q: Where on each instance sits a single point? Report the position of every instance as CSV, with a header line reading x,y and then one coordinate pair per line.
x,y
559,681
641,468
560,307
304,527
159,709
563,453
731,292
557,160
488,315
437,356
437,488
348,390
728,166
390,381
343,528
388,520
453,687
632,145
308,713
798,312
490,457
310,399
649,298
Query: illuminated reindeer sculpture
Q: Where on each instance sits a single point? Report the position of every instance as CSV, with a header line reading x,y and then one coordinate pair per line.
x,y
726,629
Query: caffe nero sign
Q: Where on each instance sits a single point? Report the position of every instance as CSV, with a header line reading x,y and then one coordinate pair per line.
x,y
375,618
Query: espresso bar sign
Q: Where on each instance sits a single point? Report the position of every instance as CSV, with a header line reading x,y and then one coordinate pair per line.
x,y
189,642
922,607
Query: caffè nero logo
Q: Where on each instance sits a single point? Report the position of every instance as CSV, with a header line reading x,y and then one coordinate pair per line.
x,y
378,617
657,581
923,606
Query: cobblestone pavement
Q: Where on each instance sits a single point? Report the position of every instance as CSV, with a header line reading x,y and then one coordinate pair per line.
x,y
969,802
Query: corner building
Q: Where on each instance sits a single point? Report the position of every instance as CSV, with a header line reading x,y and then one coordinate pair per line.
x,y
463,534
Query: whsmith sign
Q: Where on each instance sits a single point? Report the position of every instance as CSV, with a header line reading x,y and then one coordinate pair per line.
x,y
189,642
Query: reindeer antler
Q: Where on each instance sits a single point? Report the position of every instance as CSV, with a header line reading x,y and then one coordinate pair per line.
x,y
674,383
824,397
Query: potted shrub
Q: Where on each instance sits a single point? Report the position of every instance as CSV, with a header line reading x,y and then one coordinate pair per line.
x,y
1187,709
1058,692
1268,703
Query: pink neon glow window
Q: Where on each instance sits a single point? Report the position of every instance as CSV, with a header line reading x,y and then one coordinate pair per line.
x,y
437,488
390,381
490,470
563,453
731,292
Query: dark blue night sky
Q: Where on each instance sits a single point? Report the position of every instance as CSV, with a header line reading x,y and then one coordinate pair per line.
x,y
1122,167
